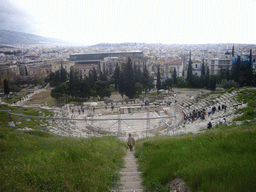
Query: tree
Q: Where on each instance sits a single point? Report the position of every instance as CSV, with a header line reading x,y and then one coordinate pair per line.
x,y
63,74
246,75
116,77
129,80
158,80
6,87
139,88
59,91
121,85
207,76
202,75
235,70
151,83
181,82
249,71
103,77
71,83
145,79
94,75
174,76
226,84
102,89
54,79
227,75
212,82
222,74
137,74
196,81
189,72
84,90
168,84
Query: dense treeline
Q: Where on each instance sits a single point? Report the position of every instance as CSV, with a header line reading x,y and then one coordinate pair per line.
x,y
241,74
74,86
132,80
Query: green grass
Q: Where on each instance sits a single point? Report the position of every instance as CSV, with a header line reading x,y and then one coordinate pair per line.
x,y
247,96
39,161
24,122
222,159
44,97
13,98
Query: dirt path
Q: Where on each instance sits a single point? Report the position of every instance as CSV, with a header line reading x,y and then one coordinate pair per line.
x,y
130,179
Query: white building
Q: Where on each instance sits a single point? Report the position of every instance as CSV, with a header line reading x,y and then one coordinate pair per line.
x,y
216,64
169,68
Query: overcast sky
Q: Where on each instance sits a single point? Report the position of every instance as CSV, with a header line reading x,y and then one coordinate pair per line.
x,y
149,21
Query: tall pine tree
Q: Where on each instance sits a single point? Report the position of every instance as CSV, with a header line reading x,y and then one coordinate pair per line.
x,y
6,87
129,80
202,75
116,76
174,76
121,85
189,72
207,77
158,79
63,74
236,69
145,79
233,51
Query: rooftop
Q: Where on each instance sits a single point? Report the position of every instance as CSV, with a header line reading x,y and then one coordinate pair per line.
x,y
174,62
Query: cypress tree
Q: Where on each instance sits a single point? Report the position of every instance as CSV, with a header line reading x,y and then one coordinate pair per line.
x,y
158,80
233,51
94,75
71,84
63,74
235,70
121,85
207,77
145,79
246,73
202,75
116,76
189,72
228,74
175,76
6,87
129,80
103,77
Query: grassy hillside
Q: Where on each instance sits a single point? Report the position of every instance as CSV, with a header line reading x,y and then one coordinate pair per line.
x,y
38,161
222,159
43,97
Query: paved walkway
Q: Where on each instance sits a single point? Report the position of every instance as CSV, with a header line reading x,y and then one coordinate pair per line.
x,y
130,179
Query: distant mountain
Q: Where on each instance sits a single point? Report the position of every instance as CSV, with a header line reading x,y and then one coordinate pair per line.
x,y
13,37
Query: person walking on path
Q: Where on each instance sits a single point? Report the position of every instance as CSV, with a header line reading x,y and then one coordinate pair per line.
x,y
131,142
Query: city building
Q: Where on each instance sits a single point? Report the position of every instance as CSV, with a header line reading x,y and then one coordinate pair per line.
x,y
169,68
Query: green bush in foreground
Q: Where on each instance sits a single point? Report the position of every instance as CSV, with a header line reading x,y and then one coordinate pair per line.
x,y
222,159
39,161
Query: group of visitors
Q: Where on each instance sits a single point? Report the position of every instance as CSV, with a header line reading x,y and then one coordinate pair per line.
x,y
200,114
194,115
223,122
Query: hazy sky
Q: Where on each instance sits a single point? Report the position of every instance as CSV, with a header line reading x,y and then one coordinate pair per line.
x,y
149,21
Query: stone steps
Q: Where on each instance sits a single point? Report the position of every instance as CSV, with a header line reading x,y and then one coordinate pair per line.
x,y
130,176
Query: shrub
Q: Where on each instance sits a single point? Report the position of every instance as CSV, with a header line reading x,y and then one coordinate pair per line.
x,y
227,84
